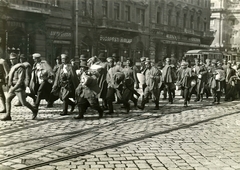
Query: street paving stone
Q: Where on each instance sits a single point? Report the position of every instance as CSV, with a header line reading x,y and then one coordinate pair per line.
x,y
200,136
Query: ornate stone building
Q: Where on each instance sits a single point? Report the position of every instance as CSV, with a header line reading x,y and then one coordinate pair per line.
x,y
128,28
225,21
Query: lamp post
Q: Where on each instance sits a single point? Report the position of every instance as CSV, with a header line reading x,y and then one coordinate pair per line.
x,y
76,29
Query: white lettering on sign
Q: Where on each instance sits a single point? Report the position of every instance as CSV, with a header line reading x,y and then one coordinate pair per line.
x,y
15,24
115,39
195,40
170,36
60,34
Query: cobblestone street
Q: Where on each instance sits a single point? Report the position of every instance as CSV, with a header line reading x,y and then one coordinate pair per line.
x,y
201,136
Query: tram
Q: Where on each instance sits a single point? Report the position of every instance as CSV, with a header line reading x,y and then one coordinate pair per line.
x,y
203,55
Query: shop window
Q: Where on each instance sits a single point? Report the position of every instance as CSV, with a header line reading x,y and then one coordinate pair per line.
x,y
55,3
84,8
105,8
127,12
116,11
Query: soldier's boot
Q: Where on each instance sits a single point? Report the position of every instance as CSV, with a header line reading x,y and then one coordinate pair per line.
x,y
144,101
156,105
110,107
7,115
3,103
65,108
18,104
80,112
201,97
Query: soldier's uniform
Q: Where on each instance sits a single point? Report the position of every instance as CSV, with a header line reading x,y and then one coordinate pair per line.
x,y
87,93
4,69
17,88
65,83
41,81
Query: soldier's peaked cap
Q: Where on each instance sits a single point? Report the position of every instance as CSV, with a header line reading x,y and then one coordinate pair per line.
x,y
64,56
36,55
13,56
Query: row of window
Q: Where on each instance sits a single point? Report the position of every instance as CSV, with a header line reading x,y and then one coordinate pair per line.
x,y
198,2
160,15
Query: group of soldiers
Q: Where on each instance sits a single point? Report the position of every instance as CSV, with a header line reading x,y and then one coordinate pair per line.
x,y
99,81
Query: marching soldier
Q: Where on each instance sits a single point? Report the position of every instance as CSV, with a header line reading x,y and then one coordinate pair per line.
x,y
87,92
41,80
4,70
65,84
168,78
152,81
16,83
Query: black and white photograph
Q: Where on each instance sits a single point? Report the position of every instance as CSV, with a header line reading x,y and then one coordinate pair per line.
x,y
119,84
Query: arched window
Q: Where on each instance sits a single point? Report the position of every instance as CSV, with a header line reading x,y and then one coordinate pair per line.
x,y
192,22
159,15
177,18
169,17
185,20
198,23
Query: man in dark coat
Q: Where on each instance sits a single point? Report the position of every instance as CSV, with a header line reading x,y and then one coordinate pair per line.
x,y
184,77
229,73
41,80
65,83
152,81
168,78
16,83
57,65
87,92
4,69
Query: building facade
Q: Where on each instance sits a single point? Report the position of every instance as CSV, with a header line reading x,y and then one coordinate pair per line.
x,y
126,28
225,24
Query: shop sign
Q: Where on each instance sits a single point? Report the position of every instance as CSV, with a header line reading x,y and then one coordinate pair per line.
x,y
170,36
115,39
61,42
195,40
15,24
58,34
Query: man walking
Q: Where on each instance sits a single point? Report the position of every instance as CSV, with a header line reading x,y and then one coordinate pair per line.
x,y
4,69
16,83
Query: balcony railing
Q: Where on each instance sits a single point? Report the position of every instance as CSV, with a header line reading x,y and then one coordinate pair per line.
x,y
35,6
119,25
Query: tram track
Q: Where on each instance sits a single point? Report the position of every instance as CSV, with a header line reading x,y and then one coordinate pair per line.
x,y
117,144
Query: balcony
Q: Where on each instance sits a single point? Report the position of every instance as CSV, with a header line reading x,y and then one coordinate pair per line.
x,y
121,25
34,6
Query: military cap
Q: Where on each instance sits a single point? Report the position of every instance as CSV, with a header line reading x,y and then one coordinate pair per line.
x,y
72,60
36,55
184,63
168,59
110,59
57,58
13,56
229,62
83,57
197,59
64,56
142,59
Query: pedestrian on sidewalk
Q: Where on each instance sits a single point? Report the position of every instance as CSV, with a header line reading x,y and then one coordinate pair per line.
x,y
16,79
